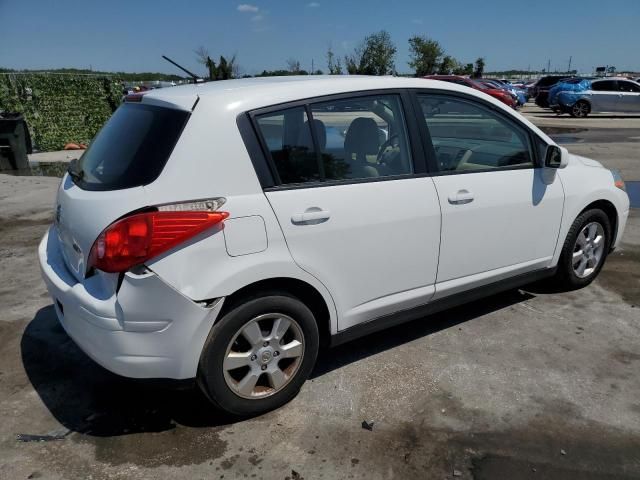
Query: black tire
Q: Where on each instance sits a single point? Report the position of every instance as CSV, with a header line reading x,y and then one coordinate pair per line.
x,y
211,377
580,109
566,278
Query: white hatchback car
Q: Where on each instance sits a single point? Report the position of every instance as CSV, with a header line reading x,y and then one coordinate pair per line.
x,y
224,231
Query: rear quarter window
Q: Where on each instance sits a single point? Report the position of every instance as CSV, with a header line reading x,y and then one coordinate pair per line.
x,y
131,149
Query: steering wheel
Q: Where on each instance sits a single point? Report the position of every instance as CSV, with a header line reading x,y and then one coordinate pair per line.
x,y
391,142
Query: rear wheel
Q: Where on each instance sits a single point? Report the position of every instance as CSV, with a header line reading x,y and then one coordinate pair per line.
x,y
259,354
584,250
580,109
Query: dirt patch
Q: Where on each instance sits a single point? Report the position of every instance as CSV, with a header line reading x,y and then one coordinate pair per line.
x,y
178,447
492,467
556,444
621,274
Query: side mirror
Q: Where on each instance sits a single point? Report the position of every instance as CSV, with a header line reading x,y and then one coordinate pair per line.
x,y
556,157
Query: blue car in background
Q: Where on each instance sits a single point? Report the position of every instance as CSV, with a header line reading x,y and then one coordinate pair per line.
x,y
584,96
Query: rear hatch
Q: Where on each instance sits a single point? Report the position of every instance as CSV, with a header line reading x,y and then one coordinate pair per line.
x,y
108,180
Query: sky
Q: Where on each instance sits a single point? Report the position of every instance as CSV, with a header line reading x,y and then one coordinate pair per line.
x,y
131,36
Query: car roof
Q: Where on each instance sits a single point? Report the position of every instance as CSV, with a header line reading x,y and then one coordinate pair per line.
x,y
233,97
612,78
254,93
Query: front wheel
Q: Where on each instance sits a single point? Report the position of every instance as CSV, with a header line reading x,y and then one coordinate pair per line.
x,y
584,250
580,109
259,354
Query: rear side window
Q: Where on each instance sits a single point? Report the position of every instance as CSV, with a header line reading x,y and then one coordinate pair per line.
x,y
287,135
356,138
628,87
131,149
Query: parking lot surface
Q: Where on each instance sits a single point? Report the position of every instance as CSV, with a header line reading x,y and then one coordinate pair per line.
x,y
525,384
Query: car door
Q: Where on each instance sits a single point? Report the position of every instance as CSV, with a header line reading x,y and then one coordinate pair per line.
x,y
354,209
604,96
500,213
629,96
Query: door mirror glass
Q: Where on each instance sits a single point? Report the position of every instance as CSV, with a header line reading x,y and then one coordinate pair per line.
x,y
553,158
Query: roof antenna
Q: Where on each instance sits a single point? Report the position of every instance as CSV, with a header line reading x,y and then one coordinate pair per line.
x,y
196,79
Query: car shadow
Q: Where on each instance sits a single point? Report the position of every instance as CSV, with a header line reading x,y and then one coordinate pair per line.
x,y
86,398
393,337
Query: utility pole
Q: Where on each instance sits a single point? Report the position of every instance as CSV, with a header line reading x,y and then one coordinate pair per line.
x,y
569,70
549,66
312,69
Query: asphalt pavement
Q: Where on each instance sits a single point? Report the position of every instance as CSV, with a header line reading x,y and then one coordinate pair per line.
x,y
525,384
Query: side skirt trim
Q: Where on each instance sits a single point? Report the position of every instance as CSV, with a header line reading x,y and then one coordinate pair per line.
x,y
439,305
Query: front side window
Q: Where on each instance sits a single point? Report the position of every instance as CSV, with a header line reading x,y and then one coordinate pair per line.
x,y
605,86
469,137
357,138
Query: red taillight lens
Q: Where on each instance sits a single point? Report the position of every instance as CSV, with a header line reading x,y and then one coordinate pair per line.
x,y
135,239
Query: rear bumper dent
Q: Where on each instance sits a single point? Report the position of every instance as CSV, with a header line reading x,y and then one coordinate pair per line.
x,y
145,330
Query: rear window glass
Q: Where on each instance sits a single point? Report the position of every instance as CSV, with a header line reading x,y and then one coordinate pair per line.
x,y
131,149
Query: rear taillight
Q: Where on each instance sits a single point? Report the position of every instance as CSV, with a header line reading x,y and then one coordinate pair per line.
x,y
137,238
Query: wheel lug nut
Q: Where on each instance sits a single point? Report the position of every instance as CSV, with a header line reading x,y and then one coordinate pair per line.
x,y
264,367
276,353
265,344
253,357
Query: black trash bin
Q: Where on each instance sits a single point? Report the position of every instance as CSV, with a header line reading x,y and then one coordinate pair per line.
x,y
15,141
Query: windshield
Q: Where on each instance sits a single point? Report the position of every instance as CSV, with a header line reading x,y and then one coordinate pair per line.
x,y
131,149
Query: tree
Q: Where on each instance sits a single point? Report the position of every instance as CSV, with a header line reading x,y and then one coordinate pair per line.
x,y
448,65
293,66
374,56
334,65
202,54
479,71
225,69
424,55
464,69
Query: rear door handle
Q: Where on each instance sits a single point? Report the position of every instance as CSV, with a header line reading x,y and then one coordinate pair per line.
x,y
311,216
461,197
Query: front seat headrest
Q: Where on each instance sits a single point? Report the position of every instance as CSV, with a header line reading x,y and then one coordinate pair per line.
x,y
362,138
305,140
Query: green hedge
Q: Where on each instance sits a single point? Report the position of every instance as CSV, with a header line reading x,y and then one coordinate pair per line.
x,y
60,109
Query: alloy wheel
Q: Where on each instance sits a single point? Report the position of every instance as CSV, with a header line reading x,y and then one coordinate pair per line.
x,y
588,250
580,109
263,356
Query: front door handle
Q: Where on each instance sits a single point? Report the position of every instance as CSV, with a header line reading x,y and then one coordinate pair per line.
x,y
461,197
311,216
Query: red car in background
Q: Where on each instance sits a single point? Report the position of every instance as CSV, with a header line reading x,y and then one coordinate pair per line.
x,y
502,95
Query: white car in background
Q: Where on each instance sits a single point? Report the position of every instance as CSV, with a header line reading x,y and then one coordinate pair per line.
x,y
607,95
210,231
